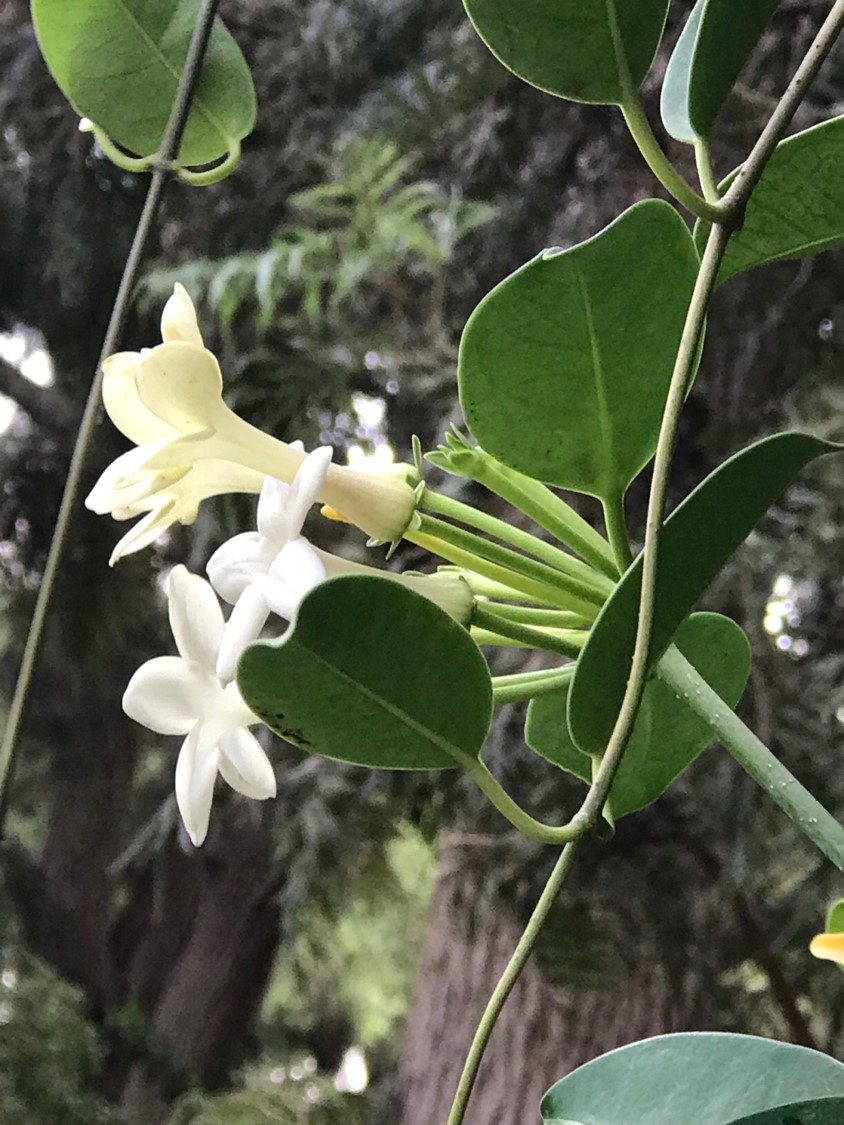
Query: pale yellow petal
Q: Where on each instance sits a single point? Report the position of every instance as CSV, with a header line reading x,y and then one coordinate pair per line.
x,y
181,385
123,404
178,320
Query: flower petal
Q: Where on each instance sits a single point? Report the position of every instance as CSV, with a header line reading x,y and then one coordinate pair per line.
x,y
306,486
234,564
245,766
295,572
243,626
181,384
196,774
271,507
144,532
123,404
178,318
168,695
195,617
828,947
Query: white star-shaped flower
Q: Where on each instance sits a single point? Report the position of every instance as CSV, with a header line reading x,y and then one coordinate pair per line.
x,y
183,695
269,570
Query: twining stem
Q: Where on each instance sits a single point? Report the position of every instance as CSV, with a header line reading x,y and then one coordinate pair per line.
x,y
508,979
617,532
547,552
808,814
165,158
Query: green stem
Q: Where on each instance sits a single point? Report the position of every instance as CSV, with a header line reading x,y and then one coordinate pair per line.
x,y
703,161
617,532
547,552
735,200
553,618
580,595
536,500
647,144
508,979
522,686
163,162
501,575
807,814
567,642
515,814
485,587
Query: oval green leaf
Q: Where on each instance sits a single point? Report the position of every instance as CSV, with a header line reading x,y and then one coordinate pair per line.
x,y
805,171
696,1078
118,62
697,540
564,367
818,1111
374,674
714,46
582,50
667,736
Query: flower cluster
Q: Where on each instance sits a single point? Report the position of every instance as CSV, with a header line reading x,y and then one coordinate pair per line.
x,y
189,446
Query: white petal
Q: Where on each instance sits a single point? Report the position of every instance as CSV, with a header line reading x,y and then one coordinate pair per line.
x,y
181,384
178,319
243,626
245,766
195,617
195,776
168,695
306,486
295,572
125,468
234,564
123,403
272,504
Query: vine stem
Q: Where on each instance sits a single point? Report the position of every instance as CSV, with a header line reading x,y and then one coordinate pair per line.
x,y
164,162
730,212
754,757
508,979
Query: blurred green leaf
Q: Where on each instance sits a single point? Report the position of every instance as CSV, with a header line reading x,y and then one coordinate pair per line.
x,y
667,736
564,366
715,44
698,538
805,170
697,1078
118,62
374,674
818,1111
582,50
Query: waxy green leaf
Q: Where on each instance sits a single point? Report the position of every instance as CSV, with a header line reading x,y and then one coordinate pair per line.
x,y
118,62
697,540
582,50
564,366
817,1111
372,673
696,1078
797,208
714,46
668,736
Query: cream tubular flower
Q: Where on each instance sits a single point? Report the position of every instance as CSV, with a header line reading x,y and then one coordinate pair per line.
x,y
168,400
269,570
183,695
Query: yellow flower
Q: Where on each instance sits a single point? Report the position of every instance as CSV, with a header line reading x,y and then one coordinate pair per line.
x,y
828,947
168,400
